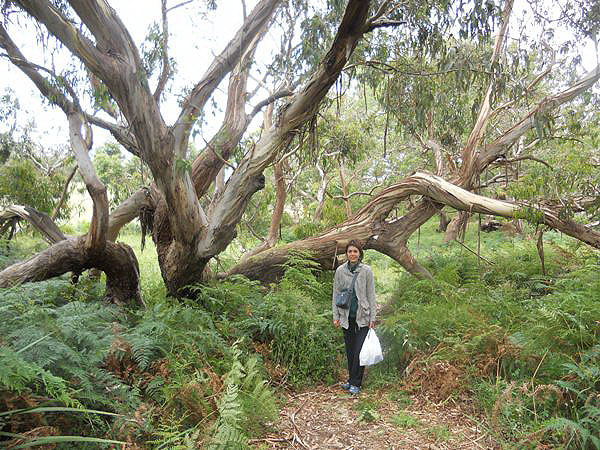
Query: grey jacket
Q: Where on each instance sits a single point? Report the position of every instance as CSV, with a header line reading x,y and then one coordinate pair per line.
x,y
365,292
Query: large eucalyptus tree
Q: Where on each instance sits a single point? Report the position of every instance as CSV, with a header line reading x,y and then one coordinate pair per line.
x,y
187,234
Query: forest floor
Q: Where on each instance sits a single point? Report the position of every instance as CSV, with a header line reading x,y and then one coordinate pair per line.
x,y
326,417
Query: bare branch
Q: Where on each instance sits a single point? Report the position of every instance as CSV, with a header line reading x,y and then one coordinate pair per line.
x,y
388,68
270,99
222,64
179,5
493,150
63,194
384,24
120,133
383,9
523,158
164,48
62,28
468,155
96,238
349,196
475,253
30,69
39,220
244,13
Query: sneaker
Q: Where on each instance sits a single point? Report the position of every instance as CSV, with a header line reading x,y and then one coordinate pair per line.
x,y
345,386
354,390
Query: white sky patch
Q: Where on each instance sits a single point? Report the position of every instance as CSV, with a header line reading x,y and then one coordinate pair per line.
x,y
194,42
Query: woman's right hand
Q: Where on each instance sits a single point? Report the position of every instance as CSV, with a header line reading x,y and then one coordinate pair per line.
x,y
336,323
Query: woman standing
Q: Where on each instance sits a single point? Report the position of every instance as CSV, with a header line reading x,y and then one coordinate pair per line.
x,y
360,315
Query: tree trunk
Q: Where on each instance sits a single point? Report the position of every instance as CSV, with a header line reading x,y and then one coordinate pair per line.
x,y
117,261
444,222
280,196
457,227
345,191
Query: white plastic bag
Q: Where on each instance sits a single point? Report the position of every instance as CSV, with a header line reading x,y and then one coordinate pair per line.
x,y
370,353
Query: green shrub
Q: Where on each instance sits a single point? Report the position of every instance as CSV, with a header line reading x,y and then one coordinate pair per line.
x,y
527,343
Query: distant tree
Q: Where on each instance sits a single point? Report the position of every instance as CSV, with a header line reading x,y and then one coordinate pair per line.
x,y
122,176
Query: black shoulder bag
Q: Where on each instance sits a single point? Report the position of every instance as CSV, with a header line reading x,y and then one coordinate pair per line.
x,y
342,298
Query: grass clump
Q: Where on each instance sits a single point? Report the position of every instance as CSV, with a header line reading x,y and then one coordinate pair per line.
x,y
404,420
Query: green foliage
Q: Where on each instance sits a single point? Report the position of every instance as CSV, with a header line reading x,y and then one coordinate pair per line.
x,y
298,311
367,411
527,344
122,176
246,402
22,183
405,420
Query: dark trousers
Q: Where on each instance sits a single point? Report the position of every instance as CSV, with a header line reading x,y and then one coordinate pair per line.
x,y
354,337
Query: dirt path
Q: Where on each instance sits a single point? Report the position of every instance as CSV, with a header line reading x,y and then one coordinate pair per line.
x,y
328,418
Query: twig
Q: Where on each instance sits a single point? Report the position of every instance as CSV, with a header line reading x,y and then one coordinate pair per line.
x,y
346,197
178,5
475,253
292,418
271,99
523,158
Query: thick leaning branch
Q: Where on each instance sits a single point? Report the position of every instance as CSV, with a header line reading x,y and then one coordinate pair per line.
x,y
369,225
494,149
64,30
116,260
223,64
96,236
144,198
485,110
39,220
164,47
55,96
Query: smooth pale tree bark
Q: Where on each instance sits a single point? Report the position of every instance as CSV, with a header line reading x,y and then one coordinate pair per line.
x,y
390,237
248,177
188,237
88,251
469,168
111,56
280,197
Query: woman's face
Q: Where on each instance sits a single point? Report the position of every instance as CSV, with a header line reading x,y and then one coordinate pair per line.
x,y
353,254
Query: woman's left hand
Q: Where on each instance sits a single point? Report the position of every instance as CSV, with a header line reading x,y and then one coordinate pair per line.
x,y
371,324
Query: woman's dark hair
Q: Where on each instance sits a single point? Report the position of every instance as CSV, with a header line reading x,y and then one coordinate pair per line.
x,y
357,245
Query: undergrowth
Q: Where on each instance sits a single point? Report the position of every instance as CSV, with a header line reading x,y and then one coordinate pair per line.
x,y
524,344
203,372
180,373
